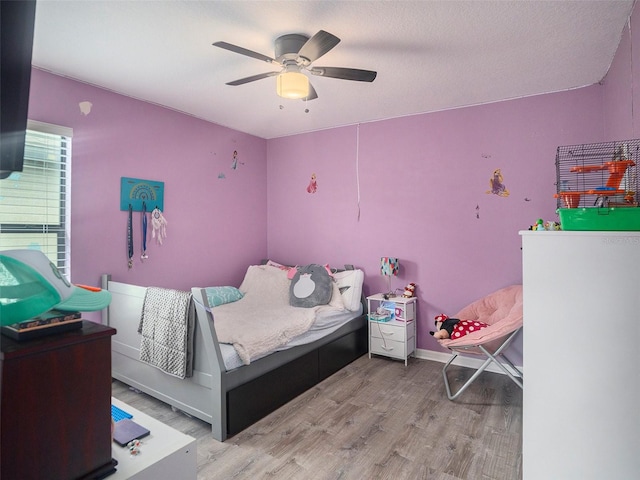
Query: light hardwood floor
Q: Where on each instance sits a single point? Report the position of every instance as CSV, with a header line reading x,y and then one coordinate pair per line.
x,y
374,419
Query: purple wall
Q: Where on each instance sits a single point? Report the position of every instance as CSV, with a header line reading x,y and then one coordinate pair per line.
x,y
621,99
216,227
420,179
412,187
423,181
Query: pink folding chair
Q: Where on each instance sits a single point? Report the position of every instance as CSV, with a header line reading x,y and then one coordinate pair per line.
x,y
502,311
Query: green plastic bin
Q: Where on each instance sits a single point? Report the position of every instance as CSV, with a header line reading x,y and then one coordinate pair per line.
x,y
601,219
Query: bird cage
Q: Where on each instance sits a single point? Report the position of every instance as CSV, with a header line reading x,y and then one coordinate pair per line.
x,y
597,186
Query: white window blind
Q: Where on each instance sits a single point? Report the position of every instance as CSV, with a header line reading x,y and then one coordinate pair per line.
x,y
34,203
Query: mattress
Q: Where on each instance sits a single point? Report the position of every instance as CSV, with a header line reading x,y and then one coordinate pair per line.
x,y
327,321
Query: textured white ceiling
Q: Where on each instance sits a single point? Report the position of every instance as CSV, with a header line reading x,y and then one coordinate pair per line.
x,y
429,55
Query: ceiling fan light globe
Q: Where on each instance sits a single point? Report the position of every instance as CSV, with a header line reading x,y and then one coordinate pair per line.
x,y
292,85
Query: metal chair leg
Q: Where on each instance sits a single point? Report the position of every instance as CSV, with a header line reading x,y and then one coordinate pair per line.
x,y
491,357
453,396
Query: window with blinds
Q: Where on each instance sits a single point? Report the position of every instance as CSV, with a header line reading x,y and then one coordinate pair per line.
x,y
34,203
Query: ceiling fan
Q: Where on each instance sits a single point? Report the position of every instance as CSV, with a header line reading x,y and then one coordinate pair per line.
x,y
294,54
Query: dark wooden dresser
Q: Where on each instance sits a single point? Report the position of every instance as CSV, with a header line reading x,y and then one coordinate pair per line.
x,y
55,403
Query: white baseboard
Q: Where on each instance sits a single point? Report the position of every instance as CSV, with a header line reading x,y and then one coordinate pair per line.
x,y
463,361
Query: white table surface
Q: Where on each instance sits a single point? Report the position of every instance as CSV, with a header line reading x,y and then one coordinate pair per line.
x,y
164,454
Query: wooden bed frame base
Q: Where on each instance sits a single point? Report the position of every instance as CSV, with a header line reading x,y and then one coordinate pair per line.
x,y
229,401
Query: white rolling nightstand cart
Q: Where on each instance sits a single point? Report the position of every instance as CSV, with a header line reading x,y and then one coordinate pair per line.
x,y
394,338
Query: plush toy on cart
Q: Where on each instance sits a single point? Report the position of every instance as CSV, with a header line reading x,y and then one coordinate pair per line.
x,y
409,291
455,328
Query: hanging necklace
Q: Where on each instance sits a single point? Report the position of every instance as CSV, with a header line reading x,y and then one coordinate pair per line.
x,y
130,236
144,232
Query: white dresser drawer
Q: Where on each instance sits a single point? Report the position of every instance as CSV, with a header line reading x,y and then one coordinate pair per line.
x,y
390,348
388,330
392,330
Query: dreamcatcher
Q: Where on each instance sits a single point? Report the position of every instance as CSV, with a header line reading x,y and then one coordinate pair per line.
x,y
159,224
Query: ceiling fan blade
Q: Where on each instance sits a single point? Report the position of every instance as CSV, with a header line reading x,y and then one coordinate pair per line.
x,y
244,51
252,78
312,95
318,45
345,73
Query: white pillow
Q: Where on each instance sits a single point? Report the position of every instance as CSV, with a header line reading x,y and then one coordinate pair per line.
x,y
336,297
268,284
350,284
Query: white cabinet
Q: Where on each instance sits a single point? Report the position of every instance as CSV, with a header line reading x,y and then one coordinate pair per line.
x,y
581,403
166,454
395,338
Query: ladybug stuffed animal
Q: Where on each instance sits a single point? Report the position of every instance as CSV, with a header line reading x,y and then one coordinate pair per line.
x,y
455,328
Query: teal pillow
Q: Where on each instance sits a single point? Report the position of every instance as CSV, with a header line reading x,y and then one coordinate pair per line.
x,y
221,295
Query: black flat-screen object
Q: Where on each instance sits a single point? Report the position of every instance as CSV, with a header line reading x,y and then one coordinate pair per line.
x,y
17,19
127,430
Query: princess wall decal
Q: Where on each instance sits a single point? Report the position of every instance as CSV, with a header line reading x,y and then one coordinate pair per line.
x,y
313,184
